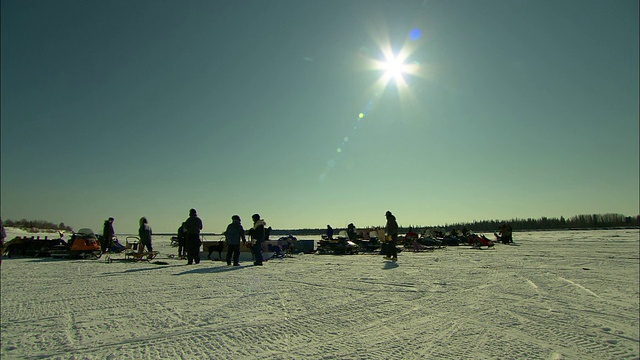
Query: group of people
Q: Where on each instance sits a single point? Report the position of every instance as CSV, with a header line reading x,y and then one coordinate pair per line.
x,y
108,235
189,238
236,233
391,236
505,234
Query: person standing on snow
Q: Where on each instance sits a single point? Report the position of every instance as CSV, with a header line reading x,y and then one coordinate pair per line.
x,y
145,235
258,236
182,241
233,235
329,232
107,235
391,229
193,225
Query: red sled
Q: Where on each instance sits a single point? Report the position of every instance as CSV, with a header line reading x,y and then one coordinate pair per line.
x,y
478,241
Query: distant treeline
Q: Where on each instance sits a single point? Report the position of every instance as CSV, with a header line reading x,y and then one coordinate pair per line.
x,y
591,221
594,221
36,225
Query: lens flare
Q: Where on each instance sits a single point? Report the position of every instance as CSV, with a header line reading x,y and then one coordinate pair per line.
x,y
415,34
395,67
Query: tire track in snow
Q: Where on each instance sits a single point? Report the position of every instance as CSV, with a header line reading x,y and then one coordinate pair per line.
x,y
579,286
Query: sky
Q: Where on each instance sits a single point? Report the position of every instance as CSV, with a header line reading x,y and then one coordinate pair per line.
x,y
293,109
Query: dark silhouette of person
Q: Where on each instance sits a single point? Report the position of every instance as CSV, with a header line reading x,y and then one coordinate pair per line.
x,y
257,233
351,232
182,242
329,232
233,235
107,234
145,235
193,225
391,229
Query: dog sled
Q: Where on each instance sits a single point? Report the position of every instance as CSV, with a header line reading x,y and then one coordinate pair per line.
x,y
134,250
31,246
415,246
478,241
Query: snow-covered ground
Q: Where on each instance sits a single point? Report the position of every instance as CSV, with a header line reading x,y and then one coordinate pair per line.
x,y
558,295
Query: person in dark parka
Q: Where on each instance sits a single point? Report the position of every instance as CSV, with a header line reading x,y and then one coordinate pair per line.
x,y
257,233
329,232
107,235
351,232
182,241
193,225
391,229
233,235
145,235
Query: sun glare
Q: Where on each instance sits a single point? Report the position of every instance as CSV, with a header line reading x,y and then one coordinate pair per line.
x,y
394,68
395,64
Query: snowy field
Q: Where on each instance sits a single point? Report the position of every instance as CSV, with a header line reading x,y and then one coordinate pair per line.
x,y
558,295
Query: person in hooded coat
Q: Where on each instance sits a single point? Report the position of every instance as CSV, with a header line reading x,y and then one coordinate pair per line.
x,y
193,225
182,242
145,235
107,235
233,235
329,232
391,229
351,232
257,233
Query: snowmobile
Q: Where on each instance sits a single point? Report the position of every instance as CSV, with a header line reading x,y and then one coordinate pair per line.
x,y
340,246
83,244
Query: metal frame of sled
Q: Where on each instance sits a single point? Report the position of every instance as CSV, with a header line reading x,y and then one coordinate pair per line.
x,y
415,246
133,250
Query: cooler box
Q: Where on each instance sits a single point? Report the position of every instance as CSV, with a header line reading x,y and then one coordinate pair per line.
x,y
306,246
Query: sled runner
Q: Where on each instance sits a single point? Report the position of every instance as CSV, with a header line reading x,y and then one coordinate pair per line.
x,y
417,247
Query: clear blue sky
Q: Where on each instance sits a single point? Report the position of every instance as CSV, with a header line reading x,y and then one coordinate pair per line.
x,y
511,108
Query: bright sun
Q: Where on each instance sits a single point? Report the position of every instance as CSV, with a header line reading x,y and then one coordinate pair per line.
x,y
394,68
